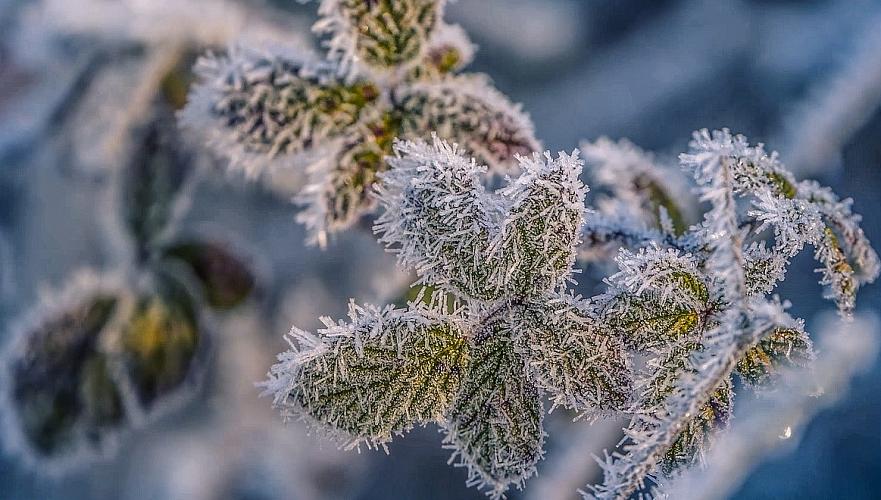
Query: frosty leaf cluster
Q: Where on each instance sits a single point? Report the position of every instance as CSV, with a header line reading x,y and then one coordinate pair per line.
x,y
498,330
391,69
697,303
112,349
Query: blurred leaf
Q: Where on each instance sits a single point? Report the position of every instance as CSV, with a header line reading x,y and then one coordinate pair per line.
x,y
61,387
225,279
389,33
159,343
657,196
175,85
151,182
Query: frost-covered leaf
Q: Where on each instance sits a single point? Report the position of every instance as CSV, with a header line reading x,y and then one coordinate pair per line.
x,y
158,343
449,51
800,213
468,111
764,268
782,348
225,279
495,423
341,188
464,111
437,217
151,182
252,106
846,226
58,388
571,355
647,188
694,440
658,297
380,34
544,212
373,377
644,323
663,370
837,272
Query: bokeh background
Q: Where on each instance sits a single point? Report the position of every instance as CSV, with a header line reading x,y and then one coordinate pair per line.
x,y
802,76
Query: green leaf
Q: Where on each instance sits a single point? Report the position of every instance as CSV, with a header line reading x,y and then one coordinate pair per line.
x,y
653,317
694,440
272,104
495,423
382,377
226,280
664,371
61,388
535,248
780,349
448,52
571,356
159,343
437,218
643,323
150,183
347,191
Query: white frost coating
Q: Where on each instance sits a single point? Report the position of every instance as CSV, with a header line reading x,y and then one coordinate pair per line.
x,y
847,224
436,210
648,438
470,102
847,349
549,193
344,35
628,172
795,222
367,325
649,268
441,223
216,110
711,161
800,213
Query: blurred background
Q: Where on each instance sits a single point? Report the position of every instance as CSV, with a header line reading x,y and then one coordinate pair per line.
x,y
802,76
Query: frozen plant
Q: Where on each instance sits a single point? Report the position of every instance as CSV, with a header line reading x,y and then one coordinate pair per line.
x,y
497,328
112,349
777,420
392,69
